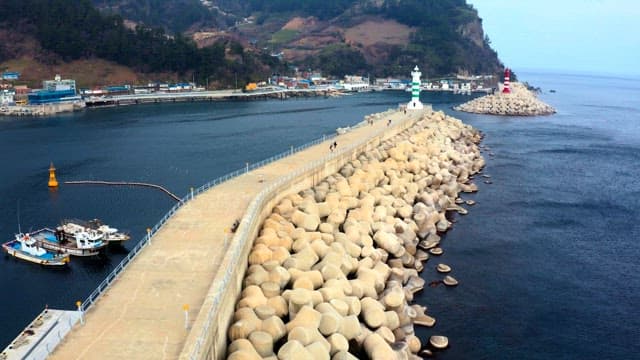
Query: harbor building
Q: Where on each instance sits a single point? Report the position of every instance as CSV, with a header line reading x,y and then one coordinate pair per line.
x,y
55,91
10,75
7,97
354,83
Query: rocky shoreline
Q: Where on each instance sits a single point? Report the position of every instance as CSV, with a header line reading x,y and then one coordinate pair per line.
x,y
520,102
335,268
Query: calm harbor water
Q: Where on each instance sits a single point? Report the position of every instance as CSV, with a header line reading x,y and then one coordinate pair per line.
x,y
546,259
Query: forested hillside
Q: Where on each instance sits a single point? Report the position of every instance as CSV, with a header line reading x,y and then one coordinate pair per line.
x,y
175,16
75,29
445,36
224,38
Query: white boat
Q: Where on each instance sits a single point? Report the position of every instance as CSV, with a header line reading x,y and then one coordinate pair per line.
x,y
94,228
27,248
112,234
82,244
77,231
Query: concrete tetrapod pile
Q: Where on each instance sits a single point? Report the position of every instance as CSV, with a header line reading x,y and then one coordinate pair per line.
x,y
335,268
520,102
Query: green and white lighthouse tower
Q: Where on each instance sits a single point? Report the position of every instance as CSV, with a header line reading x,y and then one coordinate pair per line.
x,y
415,103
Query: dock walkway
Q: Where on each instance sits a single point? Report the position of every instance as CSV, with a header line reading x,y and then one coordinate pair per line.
x,y
44,333
142,316
202,96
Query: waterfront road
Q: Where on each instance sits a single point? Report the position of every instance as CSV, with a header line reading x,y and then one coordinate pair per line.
x,y
141,316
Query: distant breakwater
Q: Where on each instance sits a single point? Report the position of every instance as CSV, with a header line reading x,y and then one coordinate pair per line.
x,y
335,267
133,99
42,109
520,102
220,95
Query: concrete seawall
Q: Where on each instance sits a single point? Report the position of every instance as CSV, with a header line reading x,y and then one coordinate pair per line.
x,y
214,95
42,110
192,261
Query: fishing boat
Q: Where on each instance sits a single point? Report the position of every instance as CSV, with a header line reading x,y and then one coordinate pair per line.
x,y
96,227
27,248
81,244
73,230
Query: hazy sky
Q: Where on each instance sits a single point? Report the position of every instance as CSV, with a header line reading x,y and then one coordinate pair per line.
x,y
595,36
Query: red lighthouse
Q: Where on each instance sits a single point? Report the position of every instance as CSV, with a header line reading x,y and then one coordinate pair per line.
x,y
507,74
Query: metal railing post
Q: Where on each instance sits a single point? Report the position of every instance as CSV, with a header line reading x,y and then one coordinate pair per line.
x,y
79,305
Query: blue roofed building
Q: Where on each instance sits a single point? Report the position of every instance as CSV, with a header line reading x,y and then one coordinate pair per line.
x,y
53,91
118,89
10,75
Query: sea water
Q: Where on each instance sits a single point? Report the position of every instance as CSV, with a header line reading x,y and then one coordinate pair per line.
x,y
546,259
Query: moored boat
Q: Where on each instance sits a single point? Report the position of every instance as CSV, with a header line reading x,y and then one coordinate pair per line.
x,y
112,234
27,248
73,230
82,244
94,227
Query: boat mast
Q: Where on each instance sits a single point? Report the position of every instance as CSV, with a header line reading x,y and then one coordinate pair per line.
x,y
18,214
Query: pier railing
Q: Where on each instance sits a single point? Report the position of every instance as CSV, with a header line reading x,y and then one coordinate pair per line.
x,y
113,275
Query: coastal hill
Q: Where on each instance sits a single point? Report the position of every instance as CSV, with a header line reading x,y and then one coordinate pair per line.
x,y
220,41
383,37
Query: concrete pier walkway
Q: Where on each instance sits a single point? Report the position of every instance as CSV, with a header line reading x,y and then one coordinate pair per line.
x,y
142,315
44,333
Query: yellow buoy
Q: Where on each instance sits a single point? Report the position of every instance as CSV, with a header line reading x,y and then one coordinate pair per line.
x,y
52,177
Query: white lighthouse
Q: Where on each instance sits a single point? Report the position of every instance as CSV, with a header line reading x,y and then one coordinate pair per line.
x,y
415,103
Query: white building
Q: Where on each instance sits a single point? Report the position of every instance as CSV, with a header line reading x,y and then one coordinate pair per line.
x,y
354,83
58,84
7,97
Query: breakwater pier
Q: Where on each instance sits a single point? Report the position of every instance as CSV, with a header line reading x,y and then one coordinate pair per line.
x,y
192,257
161,97
518,102
219,95
336,266
42,109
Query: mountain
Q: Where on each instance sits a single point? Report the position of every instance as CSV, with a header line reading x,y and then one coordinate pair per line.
x,y
175,16
217,40
383,37
63,31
